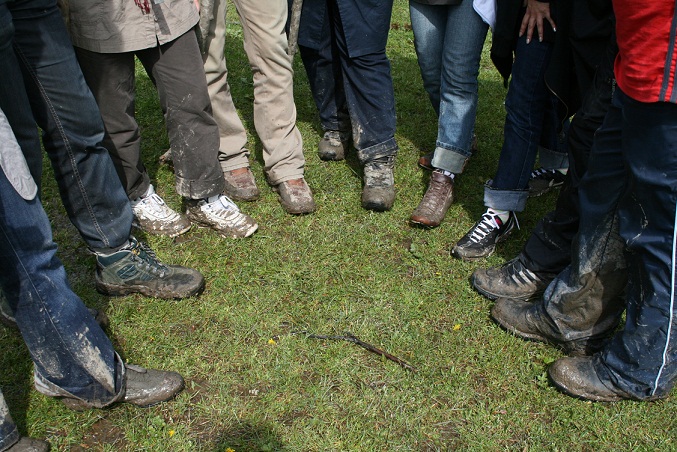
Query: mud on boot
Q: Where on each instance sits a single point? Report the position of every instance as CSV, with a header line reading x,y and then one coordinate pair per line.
x,y
378,193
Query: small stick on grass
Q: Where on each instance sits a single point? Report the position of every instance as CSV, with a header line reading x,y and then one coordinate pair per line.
x,y
349,337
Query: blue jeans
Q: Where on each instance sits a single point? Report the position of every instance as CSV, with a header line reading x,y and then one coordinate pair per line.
x,y
71,353
359,84
448,41
531,110
65,110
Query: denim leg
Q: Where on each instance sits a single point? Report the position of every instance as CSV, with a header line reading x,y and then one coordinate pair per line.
x,y
65,110
370,98
586,298
449,42
69,349
642,359
177,71
526,104
9,433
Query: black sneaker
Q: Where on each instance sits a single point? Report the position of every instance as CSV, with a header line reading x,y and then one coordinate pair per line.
x,y
543,180
511,280
481,239
136,269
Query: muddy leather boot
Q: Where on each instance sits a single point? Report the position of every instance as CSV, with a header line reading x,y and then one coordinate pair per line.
x,y
436,201
378,193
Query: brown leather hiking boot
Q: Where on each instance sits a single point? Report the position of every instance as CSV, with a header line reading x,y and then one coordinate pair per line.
x,y
436,201
296,197
241,185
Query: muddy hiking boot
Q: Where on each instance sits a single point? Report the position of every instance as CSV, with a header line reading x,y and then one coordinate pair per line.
x,y
152,215
142,387
378,193
436,201
241,185
136,269
26,444
529,321
480,241
577,377
222,215
334,145
511,280
295,196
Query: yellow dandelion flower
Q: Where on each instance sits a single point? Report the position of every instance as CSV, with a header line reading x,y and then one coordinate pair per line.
x,y
271,341
172,433
457,327
230,450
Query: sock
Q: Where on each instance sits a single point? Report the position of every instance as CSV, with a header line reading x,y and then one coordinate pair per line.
x,y
445,172
502,215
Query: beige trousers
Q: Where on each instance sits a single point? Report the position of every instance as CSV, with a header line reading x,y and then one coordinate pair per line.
x,y
265,43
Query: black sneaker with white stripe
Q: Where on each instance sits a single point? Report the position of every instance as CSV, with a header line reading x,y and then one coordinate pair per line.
x,y
481,239
511,280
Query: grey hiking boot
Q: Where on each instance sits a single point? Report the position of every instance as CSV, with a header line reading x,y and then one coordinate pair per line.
x,y
436,201
136,269
241,185
378,193
152,215
26,444
333,145
142,387
296,197
511,280
222,215
529,321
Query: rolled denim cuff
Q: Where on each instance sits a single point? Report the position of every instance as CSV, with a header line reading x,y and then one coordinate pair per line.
x,y
450,159
97,397
383,149
512,200
552,160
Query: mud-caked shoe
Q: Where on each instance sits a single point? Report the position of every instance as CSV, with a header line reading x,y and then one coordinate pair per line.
x,y
136,269
296,197
436,201
241,185
378,193
543,180
577,377
26,444
222,215
142,387
511,280
152,215
480,241
333,145
530,322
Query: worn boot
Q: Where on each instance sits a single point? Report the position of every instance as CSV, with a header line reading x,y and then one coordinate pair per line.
x,y
577,377
378,193
529,321
333,145
436,201
296,197
26,444
511,280
240,184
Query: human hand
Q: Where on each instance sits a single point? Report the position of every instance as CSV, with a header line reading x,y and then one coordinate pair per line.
x,y
536,13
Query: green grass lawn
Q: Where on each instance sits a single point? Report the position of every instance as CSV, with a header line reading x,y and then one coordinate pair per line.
x,y
254,386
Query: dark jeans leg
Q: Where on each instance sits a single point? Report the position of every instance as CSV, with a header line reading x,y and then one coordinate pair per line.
x,y
548,248
111,77
642,359
65,110
370,98
177,71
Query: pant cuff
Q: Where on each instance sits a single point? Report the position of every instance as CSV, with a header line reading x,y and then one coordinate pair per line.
x,y
450,159
384,149
512,200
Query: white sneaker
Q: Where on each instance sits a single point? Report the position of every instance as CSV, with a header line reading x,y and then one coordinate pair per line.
x,y
152,215
222,215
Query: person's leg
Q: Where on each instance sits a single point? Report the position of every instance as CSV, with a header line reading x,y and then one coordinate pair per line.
x,y
583,304
370,99
72,129
449,67
641,361
9,433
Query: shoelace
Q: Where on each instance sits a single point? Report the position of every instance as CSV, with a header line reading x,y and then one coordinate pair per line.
x,y
156,205
484,227
145,254
224,208
541,172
